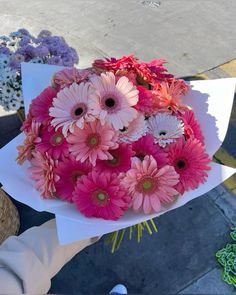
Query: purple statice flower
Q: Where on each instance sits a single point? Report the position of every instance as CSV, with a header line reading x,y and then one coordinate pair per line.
x,y
30,52
44,33
55,60
42,51
68,61
24,41
21,51
4,50
24,32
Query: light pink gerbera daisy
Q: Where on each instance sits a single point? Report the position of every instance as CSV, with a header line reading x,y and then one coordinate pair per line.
x,y
69,171
191,126
149,186
121,160
93,142
72,107
32,139
42,172
113,101
145,146
68,76
101,195
40,105
136,129
191,162
53,142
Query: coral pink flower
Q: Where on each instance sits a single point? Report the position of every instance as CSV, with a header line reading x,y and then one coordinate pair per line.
x,y
191,126
31,140
149,186
42,172
101,195
41,104
145,146
121,160
69,171
68,76
113,100
191,162
72,107
168,95
93,142
53,142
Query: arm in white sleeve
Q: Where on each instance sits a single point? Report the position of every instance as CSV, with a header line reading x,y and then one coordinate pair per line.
x,y
29,261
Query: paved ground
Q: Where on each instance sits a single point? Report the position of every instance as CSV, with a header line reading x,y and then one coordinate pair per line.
x,y
194,36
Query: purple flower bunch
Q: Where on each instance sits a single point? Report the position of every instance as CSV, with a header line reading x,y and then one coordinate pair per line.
x,y
21,46
45,48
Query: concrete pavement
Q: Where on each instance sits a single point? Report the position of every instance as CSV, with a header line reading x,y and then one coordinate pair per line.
x,y
194,36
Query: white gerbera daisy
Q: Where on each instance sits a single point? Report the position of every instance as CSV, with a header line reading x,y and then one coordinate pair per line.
x,y
136,129
72,107
165,128
113,101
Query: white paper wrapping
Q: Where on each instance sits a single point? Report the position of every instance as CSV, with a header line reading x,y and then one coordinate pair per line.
x,y
212,103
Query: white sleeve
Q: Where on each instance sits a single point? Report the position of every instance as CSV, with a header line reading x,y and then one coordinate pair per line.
x,y
29,261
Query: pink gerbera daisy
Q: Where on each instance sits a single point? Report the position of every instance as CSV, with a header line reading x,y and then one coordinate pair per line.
x,y
41,104
191,126
191,162
93,142
32,139
72,107
101,195
69,171
68,76
121,160
149,186
53,142
145,146
42,172
113,101
146,102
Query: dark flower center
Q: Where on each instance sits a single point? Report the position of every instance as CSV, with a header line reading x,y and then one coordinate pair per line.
x,y
115,161
123,129
162,133
110,102
181,164
76,175
79,111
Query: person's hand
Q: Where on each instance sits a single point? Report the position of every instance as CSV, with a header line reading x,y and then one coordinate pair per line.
x,y
30,260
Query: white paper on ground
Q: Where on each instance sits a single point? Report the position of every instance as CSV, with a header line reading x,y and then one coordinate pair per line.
x,y
207,98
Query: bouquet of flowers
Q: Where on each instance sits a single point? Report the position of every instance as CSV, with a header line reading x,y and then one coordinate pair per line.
x,y
114,138
21,46
115,145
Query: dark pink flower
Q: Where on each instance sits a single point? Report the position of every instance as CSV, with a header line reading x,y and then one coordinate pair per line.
x,y
40,105
101,195
121,161
69,171
145,146
190,161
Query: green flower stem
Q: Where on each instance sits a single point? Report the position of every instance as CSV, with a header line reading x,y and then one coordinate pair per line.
x,y
116,238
